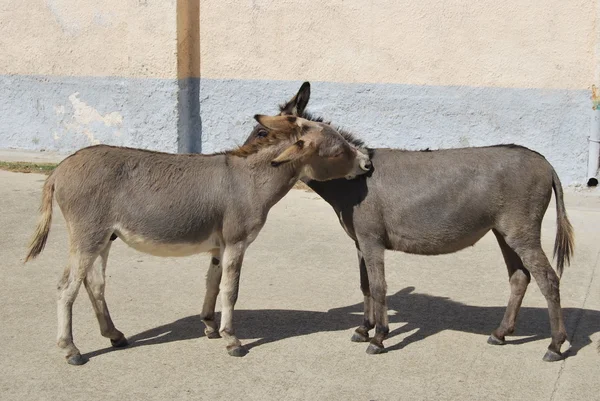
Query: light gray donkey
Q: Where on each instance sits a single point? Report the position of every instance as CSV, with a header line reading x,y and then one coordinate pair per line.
x,y
437,202
178,205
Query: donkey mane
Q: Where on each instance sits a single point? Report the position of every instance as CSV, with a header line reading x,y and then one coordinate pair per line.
x,y
259,143
349,137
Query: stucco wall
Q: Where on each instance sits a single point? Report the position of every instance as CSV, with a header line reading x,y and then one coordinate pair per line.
x,y
512,43
67,113
554,122
188,75
401,73
117,38
74,74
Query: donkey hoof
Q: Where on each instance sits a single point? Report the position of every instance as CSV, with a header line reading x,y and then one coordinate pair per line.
x,y
120,342
492,339
76,360
212,334
237,351
374,349
552,356
359,338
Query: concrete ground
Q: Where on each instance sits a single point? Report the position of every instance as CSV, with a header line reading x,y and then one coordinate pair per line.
x,y
299,304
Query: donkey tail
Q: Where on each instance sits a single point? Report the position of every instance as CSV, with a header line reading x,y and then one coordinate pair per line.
x,y
563,244
36,246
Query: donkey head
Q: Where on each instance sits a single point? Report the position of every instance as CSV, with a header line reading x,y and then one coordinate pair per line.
x,y
295,107
319,151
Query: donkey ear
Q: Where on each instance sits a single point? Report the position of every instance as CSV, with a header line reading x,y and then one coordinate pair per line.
x,y
295,152
278,123
296,106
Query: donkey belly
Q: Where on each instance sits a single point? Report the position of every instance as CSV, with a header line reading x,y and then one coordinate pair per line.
x,y
434,243
161,248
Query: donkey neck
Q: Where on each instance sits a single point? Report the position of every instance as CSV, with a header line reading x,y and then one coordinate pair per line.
x,y
341,194
265,183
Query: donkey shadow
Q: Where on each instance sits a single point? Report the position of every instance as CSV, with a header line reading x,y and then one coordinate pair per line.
x,y
427,314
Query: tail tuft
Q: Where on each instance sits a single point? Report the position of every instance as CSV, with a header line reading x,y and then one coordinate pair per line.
x,y
564,242
38,241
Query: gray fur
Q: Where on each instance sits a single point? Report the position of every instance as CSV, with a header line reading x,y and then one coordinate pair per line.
x,y
178,205
439,202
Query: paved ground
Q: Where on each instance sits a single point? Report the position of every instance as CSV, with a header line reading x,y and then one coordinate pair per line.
x,y
298,306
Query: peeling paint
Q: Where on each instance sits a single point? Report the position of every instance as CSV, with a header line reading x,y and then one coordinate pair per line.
x,y
59,110
83,116
68,113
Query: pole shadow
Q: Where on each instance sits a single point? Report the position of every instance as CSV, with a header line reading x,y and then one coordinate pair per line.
x,y
189,121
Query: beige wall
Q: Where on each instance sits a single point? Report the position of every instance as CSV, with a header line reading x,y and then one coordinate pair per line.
x,y
511,43
123,38
515,43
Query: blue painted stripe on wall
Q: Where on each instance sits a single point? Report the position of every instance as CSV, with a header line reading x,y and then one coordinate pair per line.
x,y
554,122
67,113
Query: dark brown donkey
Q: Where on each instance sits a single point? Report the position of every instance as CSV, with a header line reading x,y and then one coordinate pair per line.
x,y
437,202
179,205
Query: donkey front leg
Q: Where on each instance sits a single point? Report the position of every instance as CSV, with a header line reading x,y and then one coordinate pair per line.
x,y
233,255
373,255
361,334
213,279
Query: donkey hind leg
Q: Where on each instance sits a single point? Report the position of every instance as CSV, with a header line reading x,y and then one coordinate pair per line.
x,y
519,278
68,287
233,255
361,334
535,260
94,283
213,279
373,256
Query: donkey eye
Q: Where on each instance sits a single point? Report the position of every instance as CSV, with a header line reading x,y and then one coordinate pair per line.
x,y
262,133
